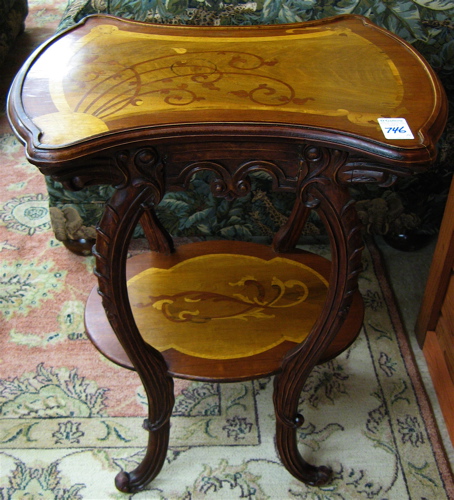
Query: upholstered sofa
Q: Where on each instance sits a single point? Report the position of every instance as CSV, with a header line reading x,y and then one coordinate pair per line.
x,y
12,19
427,25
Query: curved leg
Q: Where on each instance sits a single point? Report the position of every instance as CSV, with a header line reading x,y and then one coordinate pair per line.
x,y
287,237
114,233
288,450
157,236
332,201
149,468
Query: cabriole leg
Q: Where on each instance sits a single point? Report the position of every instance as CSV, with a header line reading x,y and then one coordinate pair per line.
x,y
319,190
114,234
149,468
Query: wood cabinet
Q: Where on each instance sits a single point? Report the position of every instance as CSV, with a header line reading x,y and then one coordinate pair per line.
x,y
435,324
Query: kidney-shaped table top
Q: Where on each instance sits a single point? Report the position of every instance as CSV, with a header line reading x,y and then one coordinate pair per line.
x,y
107,80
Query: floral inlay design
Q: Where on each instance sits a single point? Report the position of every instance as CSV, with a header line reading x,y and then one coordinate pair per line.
x,y
112,74
263,298
180,77
193,305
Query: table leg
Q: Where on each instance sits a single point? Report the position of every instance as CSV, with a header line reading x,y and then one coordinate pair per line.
x,y
114,234
157,236
319,190
286,239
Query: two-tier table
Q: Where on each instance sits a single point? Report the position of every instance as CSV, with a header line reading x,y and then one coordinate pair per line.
x,y
317,106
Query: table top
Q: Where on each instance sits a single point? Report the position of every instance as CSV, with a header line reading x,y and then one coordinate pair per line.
x,y
334,79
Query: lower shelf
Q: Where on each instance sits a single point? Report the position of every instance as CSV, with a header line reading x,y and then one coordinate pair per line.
x,y
223,310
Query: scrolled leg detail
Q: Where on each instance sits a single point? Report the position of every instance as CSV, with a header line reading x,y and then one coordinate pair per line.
x,y
287,439
333,203
151,465
114,233
286,442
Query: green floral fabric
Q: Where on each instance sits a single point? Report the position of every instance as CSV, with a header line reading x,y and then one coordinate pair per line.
x,y
427,24
12,16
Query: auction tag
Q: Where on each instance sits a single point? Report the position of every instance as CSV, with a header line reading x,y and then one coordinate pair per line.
x,y
395,128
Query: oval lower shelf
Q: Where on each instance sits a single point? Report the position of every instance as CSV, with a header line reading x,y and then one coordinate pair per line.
x,y
223,310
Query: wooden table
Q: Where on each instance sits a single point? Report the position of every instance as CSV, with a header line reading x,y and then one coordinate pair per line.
x,y
317,106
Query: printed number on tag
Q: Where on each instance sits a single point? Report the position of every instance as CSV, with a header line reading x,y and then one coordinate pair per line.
x,y
395,128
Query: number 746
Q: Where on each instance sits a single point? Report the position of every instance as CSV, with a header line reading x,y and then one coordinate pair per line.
x,y
395,130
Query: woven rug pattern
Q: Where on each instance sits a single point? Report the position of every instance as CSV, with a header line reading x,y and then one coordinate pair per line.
x,y
70,420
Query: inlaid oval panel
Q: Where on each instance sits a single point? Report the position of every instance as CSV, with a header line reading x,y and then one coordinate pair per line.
x,y
226,306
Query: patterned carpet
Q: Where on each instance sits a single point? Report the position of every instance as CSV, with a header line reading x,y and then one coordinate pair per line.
x,y
70,420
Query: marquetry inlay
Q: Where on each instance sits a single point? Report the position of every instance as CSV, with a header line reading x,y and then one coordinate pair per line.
x,y
252,306
104,78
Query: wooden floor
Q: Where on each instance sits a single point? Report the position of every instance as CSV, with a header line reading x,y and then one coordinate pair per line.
x,y
442,380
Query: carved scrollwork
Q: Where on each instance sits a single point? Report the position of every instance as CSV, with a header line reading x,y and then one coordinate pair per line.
x,y
360,170
119,168
145,158
230,190
317,158
275,171
232,180
316,167
122,159
107,169
318,187
148,169
317,164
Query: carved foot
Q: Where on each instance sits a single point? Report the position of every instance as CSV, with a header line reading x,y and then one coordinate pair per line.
x,y
130,482
286,441
316,476
122,482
